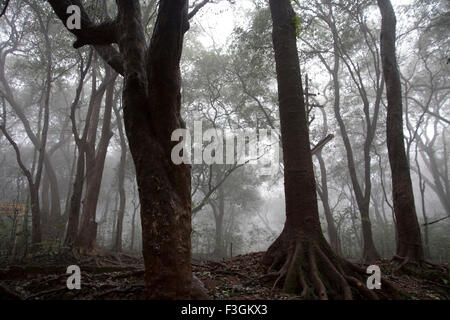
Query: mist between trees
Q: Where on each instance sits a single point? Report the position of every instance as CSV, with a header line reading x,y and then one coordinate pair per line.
x,y
87,134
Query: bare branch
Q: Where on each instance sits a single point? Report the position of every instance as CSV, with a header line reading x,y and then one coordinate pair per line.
x,y
5,6
197,8
322,143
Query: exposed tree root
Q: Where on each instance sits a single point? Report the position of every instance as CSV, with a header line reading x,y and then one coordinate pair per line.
x,y
409,255
312,270
406,264
422,269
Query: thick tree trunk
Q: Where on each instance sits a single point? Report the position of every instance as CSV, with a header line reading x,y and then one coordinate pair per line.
x,y
409,242
152,103
302,218
301,254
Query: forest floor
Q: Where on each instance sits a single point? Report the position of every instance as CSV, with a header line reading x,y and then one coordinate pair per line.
x,y
120,276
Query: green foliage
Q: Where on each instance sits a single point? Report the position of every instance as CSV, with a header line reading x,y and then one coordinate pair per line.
x,y
298,25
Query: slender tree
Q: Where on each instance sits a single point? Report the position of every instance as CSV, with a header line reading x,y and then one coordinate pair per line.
x,y
117,246
361,183
409,242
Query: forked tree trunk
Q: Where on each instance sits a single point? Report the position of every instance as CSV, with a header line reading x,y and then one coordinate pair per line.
x,y
78,182
87,234
151,106
152,101
409,242
301,255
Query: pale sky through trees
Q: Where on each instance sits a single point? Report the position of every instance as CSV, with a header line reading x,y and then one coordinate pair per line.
x,y
317,133
217,21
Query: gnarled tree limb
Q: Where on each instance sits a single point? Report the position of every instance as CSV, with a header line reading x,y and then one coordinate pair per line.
x,y
100,36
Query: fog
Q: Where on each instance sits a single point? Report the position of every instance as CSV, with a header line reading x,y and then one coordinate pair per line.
x,y
64,137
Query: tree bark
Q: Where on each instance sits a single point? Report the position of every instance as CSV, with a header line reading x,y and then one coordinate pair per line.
x,y
36,233
333,235
95,161
151,104
301,255
121,174
152,101
77,192
219,212
409,242
361,191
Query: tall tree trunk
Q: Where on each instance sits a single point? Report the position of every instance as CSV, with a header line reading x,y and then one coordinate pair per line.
x,y
335,242
382,224
45,207
370,253
77,189
75,201
54,214
422,185
219,212
87,234
36,233
301,254
151,104
361,191
133,230
135,202
121,173
333,235
409,242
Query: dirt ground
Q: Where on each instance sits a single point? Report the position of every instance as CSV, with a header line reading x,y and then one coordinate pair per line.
x,y
109,276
